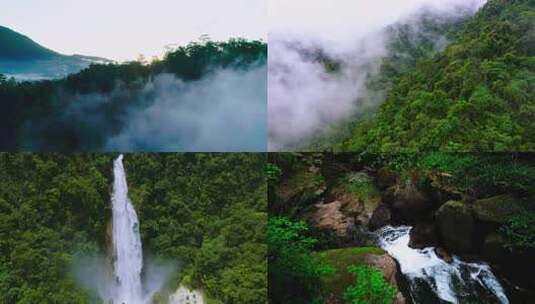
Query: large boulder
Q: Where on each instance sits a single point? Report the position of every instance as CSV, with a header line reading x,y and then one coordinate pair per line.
x,y
408,200
386,178
329,217
299,190
341,259
494,247
498,209
423,235
457,226
358,195
381,217
443,254
345,211
387,265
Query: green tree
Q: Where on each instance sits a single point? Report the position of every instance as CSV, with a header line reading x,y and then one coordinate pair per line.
x,y
370,287
294,273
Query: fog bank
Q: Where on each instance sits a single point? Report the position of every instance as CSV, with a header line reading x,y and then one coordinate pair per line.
x,y
304,95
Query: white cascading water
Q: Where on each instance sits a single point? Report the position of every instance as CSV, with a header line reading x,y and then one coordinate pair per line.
x,y
128,255
431,279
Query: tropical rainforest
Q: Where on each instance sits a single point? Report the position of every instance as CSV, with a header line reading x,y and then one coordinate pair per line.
x,y
82,111
477,94
204,212
401,228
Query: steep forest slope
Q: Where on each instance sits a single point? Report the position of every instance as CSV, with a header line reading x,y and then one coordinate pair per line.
x,y
476,95
203,212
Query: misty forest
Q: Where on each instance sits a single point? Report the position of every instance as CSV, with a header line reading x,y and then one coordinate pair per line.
x,y
401,228
136,229
460,79
207,96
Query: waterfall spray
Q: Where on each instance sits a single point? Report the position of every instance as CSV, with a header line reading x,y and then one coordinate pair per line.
x,y
432,280
124,284
127,250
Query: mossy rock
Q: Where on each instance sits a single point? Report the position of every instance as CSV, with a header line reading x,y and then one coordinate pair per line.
x,y
457,226
386,178
358,194
341,259
298,190
498,209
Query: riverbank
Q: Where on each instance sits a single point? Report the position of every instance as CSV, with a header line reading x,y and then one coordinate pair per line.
x,y
467,214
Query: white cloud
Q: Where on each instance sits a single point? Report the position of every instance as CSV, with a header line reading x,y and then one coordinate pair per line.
x,y
303,99
123,29
222,112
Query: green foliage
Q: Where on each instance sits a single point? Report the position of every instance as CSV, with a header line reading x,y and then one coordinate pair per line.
x,y
370,287
476,95
483,174
52,207
70,114
273,172
359,184
205,211
294,273
520,231
209,211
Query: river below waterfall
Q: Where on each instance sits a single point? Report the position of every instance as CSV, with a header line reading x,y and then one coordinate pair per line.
x,y
430,279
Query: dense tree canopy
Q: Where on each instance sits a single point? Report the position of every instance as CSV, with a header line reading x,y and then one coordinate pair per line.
x,y
204,211
81,111
476,95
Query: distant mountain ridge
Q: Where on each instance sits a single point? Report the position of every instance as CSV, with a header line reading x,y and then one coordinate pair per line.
x,y
25,59
20,47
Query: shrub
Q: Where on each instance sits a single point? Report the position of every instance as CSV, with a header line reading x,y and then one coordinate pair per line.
x,y
294,273
370,287
273,172
520,231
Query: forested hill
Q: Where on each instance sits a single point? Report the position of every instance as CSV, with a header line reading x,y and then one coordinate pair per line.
x,y
476,95
204,212
84,110
25,59
15,46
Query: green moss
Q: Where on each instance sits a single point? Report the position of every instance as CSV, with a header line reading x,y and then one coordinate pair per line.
x,y
212,301
498,209
341,259
297,192
360,184
358,188
520,230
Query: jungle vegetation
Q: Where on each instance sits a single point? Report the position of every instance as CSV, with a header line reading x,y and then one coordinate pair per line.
x,y
207,212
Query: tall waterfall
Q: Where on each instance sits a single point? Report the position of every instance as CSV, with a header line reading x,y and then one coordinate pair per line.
x,y
127,251
432,280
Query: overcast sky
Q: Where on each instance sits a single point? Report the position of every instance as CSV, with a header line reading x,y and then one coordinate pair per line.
x,y
123,29
343,19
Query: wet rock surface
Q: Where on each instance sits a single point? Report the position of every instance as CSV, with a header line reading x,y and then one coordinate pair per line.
x,y
497,209
424,235
457,226
381,217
